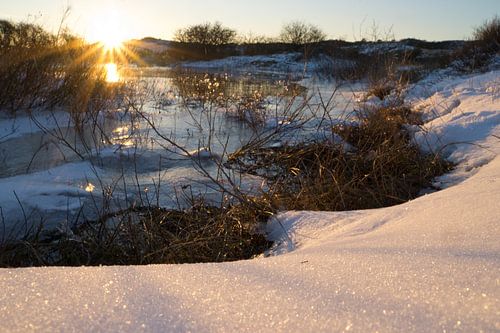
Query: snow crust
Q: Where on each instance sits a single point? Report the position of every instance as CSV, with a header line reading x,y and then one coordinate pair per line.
x,y
432,264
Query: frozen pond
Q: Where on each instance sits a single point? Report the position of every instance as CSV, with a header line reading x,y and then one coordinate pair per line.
x,y
165,154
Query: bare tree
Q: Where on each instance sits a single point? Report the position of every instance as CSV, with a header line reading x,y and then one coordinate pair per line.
x,y
210,34
301,33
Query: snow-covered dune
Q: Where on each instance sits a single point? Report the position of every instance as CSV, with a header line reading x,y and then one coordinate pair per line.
x,y
432,264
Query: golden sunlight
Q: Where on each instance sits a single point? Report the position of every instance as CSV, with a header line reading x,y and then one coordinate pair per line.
x,y
89,187
112,74
108,29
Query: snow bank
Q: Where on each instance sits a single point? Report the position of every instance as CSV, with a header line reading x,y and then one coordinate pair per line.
x,y
431,264
462,122
384,47
268,64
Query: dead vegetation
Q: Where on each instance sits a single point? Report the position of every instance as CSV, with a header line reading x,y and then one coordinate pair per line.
x,y
383,168
149,235
478,53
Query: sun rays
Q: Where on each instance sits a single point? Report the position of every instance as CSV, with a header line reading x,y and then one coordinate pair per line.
x,y
107,27
109,33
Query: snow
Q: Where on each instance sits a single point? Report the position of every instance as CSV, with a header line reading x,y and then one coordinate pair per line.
x,y
431,264
290,64
384,47
463,122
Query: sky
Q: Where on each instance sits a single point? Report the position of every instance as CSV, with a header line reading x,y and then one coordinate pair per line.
x,y
350,20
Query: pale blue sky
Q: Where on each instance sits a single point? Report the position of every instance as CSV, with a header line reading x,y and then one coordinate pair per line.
x,y
424,19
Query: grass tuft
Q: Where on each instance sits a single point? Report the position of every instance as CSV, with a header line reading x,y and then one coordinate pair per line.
x,y
149,235
384,168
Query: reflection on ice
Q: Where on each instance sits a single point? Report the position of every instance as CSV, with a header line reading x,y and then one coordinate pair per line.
x,y
112,75
89,188
122,130
122,137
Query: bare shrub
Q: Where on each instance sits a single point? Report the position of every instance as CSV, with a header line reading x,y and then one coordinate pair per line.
x,y
200,88
476,54
488,34
39,69
300,33
28,63
208,35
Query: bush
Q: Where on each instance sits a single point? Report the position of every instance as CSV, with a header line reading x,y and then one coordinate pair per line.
x,y
206,34
39,69
477,54
300,33
28,64
488,35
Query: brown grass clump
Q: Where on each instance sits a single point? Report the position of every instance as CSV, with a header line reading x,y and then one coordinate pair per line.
x,y
477,54
151,235
384,169
488,34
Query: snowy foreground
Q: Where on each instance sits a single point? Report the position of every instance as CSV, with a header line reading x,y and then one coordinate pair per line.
x,y
432,264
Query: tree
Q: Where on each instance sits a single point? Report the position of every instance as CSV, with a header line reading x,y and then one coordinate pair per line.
x,y
301,33
207,34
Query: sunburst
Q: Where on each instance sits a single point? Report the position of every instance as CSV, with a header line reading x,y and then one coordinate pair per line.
x,y
109,31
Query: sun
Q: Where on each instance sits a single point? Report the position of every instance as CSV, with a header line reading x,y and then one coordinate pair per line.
x,y
109,32
108,29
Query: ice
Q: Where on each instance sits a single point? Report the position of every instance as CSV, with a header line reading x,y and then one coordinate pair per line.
x,y
59,189
202,153
24,123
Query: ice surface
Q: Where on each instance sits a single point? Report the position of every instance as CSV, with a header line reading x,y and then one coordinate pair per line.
x,y
432,264
24,123
56,190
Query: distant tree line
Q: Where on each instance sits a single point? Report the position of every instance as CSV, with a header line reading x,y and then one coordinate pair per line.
x,y
208,41
215,34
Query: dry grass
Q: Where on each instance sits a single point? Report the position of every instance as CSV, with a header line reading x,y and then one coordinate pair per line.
x,y
477,54
149,235
384,169
488,34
